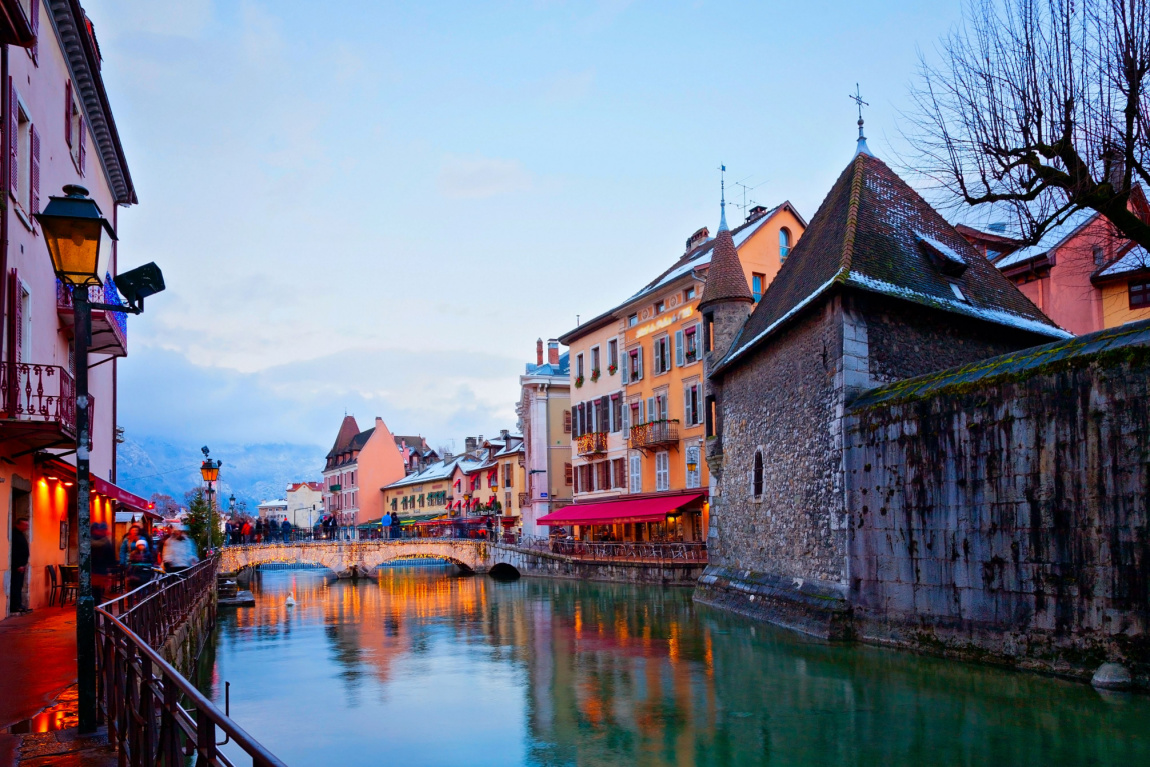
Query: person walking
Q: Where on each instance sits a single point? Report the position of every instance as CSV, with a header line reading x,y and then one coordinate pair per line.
x,y
103,560
395,530
180,551
246,531
19,567
285,527
134,535
229,532
140,565
385,525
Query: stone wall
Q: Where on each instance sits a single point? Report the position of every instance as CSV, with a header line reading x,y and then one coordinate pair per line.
x,y
1006,519
183,647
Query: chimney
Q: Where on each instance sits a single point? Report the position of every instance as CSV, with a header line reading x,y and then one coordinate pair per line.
x,y
1117,177
505,435
756,212
698,238
469,445
539,351
447,456
553,351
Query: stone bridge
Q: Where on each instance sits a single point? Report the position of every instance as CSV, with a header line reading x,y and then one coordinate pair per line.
x,y
349,559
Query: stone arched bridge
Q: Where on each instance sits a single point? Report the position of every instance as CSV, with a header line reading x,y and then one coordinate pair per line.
x,y
351,558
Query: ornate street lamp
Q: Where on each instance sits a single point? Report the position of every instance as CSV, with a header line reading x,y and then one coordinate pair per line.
x,y
210,471
74,230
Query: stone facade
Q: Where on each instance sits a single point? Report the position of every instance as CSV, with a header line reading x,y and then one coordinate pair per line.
x,y
1006,518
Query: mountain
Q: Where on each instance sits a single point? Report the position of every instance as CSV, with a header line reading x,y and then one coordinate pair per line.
x,y
254,473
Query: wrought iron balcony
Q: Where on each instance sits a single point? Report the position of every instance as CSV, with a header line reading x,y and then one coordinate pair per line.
x,y
109,329
38,405
591,443
654,434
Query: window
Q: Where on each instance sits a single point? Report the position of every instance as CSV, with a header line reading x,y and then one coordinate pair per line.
x,y
508,475
711,413
1099,255
636,472
692,399
662,471
1140,294
613,354
566,421
24,324
689,294
618,473
636,413
632,320
708,332
660,307
757,282
595,361
757,476
635,363
691,341
661,354
954,288
567,474
693,475
579,366
784,244
603,475
25,170
616,412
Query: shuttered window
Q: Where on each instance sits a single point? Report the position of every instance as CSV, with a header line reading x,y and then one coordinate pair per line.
x,y
693,475
662,471
636,472
567,474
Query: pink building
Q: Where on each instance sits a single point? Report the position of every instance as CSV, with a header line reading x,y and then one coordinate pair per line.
x,y
57,128
359,465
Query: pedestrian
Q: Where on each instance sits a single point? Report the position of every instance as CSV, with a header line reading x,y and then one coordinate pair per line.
x,y
395,530
103,560
385,525
19,567
140,565
229,531
286,528
180,551
246,531
490,529
134,534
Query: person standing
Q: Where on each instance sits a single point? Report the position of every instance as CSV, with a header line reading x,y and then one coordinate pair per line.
x,y
385,525
246,531
395,531
19,566
103,560
286,529
129,543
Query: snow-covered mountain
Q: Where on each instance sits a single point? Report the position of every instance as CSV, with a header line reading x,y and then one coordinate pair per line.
x,y
252,472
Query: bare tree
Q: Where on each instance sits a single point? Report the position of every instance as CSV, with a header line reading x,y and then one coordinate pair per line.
x,y
1038,109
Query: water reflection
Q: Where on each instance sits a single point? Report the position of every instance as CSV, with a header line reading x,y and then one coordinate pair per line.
x,y
420,667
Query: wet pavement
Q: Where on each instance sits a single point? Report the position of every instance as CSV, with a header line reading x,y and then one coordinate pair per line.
x,y
38,694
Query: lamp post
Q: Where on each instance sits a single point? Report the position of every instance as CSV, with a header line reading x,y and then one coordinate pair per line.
x,y
73,228
210,471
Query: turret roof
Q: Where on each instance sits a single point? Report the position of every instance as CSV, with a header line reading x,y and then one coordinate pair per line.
x,y
347,432
725,279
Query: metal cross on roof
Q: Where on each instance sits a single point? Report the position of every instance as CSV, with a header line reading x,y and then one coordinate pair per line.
x,y
858,100
722,197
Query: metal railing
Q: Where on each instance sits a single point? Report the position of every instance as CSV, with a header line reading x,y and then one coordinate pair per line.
x,y
654,433
107,293
591,443
43,393
154,715
632,552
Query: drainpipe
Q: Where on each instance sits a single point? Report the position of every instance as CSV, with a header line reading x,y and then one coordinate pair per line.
x,y
115,360
10,342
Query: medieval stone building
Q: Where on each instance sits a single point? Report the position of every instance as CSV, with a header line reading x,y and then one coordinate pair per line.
x,y
880,288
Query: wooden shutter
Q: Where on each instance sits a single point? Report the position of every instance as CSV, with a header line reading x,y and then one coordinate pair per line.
x,y
17,314
679,348
626,416
688,414
83,149
13,136
652,411
566,421
604,413
68,112
567,473
639,366
625,366
34,23
34,192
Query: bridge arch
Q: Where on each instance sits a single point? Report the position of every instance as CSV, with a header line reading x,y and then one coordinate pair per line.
x,y
504,571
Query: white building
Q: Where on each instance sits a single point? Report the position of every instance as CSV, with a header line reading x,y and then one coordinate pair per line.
x,y
545,421
273,511
304,504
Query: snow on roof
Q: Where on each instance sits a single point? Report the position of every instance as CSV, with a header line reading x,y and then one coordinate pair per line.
x,y
436,471
943,249
1000,316
1134,260
794,310
1051,239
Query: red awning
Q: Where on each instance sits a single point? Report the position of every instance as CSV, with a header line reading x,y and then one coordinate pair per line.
x,y
129,501
641,510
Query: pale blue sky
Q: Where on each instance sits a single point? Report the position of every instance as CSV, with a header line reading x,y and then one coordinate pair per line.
x,y
380,206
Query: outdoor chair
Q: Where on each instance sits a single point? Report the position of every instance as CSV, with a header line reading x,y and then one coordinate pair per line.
x,y
54,586
69,582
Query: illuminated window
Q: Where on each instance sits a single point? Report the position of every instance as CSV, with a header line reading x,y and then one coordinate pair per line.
x,y
757,282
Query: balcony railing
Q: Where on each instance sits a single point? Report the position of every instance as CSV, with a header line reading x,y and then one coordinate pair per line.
x,y
632,552
38,394
109,329
654,434
591,443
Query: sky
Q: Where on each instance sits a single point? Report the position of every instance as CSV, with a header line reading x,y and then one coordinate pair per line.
x,y
377,207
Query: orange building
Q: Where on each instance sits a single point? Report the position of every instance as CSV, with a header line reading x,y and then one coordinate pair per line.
x,y
359,465
638,398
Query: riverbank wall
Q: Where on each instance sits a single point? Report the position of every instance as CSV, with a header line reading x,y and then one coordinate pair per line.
x,y
184,645
994,512
543,564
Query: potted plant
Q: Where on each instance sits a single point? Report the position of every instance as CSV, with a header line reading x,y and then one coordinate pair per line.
x,y
578,381
612,370
595,375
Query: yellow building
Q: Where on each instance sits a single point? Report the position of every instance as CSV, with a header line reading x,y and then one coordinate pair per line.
x,y
421,495
638,432
1125,288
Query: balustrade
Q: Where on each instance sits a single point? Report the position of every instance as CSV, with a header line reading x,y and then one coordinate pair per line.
x,y
591,443
654,434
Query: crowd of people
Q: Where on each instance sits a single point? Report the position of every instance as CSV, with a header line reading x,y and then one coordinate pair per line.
x,y
140,556
243,531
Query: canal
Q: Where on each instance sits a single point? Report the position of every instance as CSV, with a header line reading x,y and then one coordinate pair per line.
x,y
423,667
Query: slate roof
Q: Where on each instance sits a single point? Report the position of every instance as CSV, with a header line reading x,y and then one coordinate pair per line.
x,y
547,369
725,279
870,233
359,440
1051,239
1134,260
347,432
1013,366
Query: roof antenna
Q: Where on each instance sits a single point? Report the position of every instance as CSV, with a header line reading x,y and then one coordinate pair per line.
x,y
857,99
743,208
722,197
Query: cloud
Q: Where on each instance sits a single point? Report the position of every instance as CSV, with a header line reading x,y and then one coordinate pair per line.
x,y
441,395
477,178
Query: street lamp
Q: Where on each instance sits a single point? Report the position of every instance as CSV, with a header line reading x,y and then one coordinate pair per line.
x,y
74,230
210,471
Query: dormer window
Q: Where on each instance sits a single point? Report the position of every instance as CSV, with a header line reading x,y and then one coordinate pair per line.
x,y
945,258
954,288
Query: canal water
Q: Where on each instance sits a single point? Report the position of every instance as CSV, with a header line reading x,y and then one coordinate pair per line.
x,y
424,667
